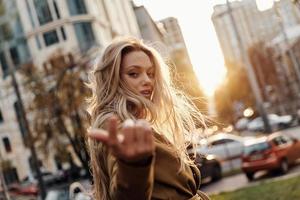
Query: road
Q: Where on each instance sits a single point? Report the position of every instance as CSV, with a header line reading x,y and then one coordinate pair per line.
x,y
239,180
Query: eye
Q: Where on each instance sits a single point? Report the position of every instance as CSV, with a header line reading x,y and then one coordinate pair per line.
x,y
133,74
151,74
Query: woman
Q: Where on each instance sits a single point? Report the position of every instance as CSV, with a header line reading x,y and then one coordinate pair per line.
x,y
140,126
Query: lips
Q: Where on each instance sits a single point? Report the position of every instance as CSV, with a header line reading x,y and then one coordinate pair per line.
x,y
146,93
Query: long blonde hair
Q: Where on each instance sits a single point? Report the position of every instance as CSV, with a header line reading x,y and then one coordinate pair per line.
x,y
169,111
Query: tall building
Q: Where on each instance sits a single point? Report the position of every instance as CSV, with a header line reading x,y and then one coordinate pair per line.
x,y
148,27
251,24
32,31
184,77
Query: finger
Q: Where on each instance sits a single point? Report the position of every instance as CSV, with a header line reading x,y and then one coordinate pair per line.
x,y
100,135
141,125
149,138
112,124
128,132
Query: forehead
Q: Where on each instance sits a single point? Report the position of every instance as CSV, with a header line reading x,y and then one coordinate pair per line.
x,y
136,58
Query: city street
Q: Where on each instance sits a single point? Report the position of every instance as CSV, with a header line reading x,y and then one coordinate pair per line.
x,y
231,183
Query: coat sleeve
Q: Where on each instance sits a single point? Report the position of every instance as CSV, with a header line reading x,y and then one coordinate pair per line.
x,y
129,181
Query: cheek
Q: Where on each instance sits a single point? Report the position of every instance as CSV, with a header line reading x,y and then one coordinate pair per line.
x,y
131,83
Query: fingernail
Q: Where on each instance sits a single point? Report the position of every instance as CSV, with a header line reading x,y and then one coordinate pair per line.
x,y
128,122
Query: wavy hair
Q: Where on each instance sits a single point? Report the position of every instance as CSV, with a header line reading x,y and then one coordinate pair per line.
x,y
169,111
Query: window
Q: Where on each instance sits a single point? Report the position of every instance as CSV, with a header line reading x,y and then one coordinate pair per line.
x,y
281,140
1,117
15,55
50,38
7,145
85,35
222,141
4,65
76,7
63,33
42,11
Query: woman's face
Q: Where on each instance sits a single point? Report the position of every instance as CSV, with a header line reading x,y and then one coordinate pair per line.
x,y
138,71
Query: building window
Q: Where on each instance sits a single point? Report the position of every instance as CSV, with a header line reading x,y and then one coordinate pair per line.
x,y
63,33
1,117
50,38
7,145
42,11
85,35
76,7
4,65
56,9
15,55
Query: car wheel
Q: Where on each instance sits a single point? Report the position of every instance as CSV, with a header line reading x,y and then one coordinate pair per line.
x,y
217,173
250,176
284,167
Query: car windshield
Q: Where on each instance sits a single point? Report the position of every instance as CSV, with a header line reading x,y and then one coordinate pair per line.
x,y
257,147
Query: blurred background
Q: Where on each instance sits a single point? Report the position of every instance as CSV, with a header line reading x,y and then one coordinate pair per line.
x,y
237,60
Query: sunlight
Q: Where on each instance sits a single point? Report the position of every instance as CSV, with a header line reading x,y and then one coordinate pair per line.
x,y
264,4
210,77
202,44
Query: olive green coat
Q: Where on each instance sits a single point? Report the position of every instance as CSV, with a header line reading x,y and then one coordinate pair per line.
x,y
159,179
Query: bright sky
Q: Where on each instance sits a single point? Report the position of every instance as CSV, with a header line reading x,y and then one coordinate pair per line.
x,y
194,18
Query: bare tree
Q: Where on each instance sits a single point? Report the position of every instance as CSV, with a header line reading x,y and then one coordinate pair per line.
x,y
57,105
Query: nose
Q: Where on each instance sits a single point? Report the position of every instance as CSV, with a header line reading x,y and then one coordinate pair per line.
x,y
146,79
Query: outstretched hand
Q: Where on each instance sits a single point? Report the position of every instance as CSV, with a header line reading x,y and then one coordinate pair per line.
x,y
133,142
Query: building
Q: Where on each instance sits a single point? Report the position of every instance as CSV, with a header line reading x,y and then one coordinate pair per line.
x,y
148,27
183,72
251,24
32,31
240,26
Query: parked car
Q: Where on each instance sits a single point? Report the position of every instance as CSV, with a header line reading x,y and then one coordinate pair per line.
x,y
276,122
75,191
274,152
25,188
209,166
241,124
227,147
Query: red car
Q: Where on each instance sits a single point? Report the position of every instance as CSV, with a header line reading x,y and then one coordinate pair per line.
x,y
274,152
24,189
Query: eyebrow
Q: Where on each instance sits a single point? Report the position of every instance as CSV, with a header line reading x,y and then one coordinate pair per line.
x,y
137,66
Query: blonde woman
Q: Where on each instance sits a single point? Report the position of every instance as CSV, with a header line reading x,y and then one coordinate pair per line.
x,y
140,126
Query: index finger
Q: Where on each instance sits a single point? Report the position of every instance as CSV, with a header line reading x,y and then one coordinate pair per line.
x,y
112,125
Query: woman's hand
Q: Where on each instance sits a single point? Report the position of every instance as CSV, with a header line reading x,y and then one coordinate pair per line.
x,y
133,143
